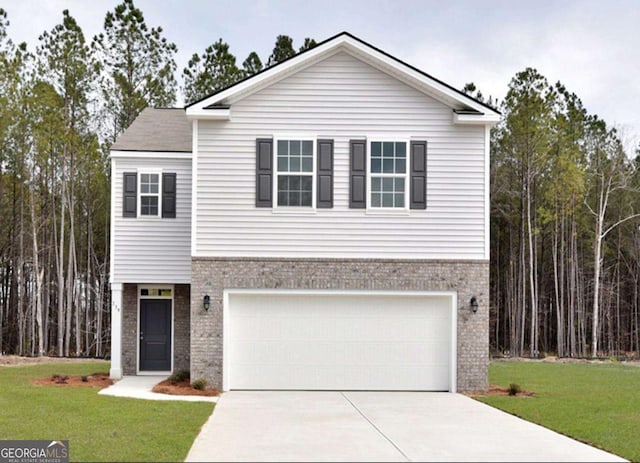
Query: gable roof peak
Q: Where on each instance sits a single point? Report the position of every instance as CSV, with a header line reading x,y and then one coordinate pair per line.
x,y
454,98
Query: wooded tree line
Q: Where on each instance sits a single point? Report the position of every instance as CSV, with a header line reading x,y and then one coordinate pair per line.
x,y
565,236
62,104
565,242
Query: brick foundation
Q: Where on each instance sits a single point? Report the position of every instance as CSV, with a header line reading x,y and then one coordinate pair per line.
x,y
469,278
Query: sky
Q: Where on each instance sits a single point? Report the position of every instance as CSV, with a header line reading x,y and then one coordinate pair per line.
x,y
591,46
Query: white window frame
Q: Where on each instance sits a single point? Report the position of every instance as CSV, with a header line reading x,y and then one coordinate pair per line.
x,y
158,195
406,176
312,174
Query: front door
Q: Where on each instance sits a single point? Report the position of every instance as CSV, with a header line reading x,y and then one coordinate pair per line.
x,y
155,334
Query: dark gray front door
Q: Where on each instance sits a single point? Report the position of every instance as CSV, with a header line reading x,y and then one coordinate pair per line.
x,y
155,334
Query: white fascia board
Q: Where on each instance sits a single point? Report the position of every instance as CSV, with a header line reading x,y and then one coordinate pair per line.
x,y
476,119
194,188
211,114
150,154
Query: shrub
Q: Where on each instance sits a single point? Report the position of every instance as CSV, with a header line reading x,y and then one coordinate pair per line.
x,y
84,379
514,389
179,376
199,384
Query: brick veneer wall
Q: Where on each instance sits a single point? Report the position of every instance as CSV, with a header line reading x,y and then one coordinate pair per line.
x,y
181,326
212,276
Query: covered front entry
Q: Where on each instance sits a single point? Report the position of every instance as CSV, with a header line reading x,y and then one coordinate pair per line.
x,y
324,340
155,335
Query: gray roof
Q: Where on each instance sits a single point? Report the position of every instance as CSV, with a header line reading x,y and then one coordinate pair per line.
x,y
164,129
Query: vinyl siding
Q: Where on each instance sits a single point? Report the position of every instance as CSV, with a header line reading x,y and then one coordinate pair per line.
x,y
340,98
152,250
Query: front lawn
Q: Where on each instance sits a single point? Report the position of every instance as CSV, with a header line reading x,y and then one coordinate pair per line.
x,y
595,403
99,428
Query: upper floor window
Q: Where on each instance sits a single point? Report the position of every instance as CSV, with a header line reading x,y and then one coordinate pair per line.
x,y
149,194
388,174
294,173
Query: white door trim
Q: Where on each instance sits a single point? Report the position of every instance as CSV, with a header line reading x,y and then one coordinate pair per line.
x,y
138,298
453,295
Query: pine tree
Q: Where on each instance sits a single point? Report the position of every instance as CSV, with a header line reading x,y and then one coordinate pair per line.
x,y
138,66
214,70
252,65
282,50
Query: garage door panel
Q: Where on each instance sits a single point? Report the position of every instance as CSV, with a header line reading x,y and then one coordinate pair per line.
x,y
338,342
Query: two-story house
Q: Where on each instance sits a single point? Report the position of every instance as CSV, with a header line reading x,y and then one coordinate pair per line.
x,y
323,224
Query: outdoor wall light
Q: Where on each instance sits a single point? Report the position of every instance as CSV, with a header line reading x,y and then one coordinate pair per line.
x,y
206,302
474,304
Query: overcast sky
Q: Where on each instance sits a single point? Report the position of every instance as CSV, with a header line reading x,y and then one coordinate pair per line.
x,y
591,46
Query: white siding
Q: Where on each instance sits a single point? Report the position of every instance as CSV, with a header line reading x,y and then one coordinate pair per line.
x,y
340,98
152,250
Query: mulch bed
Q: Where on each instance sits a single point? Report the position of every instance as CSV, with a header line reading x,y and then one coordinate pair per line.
x,y
182,388
100,380
501,391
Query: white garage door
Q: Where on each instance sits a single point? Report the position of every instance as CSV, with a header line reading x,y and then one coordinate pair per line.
x,y
330,341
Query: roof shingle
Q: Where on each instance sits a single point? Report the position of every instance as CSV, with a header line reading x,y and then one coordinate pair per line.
x,y
165,129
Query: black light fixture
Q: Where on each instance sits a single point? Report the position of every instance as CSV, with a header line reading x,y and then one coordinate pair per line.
x,y
206,302
474,304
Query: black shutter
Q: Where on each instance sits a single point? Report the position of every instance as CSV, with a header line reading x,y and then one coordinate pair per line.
x,y
169,196
264,172
129,196
358,174
325,174
418,175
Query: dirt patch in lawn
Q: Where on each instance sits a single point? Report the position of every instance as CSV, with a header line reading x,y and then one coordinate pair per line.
x,y
100,380
16,360
501,391
182,388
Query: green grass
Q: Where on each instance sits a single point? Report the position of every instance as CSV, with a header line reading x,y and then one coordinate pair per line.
x,y
595,403
99,428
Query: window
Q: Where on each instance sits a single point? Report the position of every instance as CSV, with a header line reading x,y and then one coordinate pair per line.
x,y
149,194
388,174
295,173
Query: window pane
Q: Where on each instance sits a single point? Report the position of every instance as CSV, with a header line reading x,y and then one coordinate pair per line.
x,y
375,200
387,184
387,199
387,166
387,149
283,198
148,205
375,184
294,147
295,164
283,182
399,200
283,148
294,183
401,149
376,148
153,183
401,166
294,198
399,184
306,199
307,182
307,148
283,164
376,165
307,164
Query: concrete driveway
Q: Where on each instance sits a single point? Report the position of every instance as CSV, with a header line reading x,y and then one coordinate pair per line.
x,y
375,426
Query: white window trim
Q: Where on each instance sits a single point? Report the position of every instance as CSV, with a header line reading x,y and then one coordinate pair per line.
x,y
389,210
313,174
139,193
139,297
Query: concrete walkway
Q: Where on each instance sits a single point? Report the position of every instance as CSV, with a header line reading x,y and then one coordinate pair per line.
x,y
139,387
375,426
